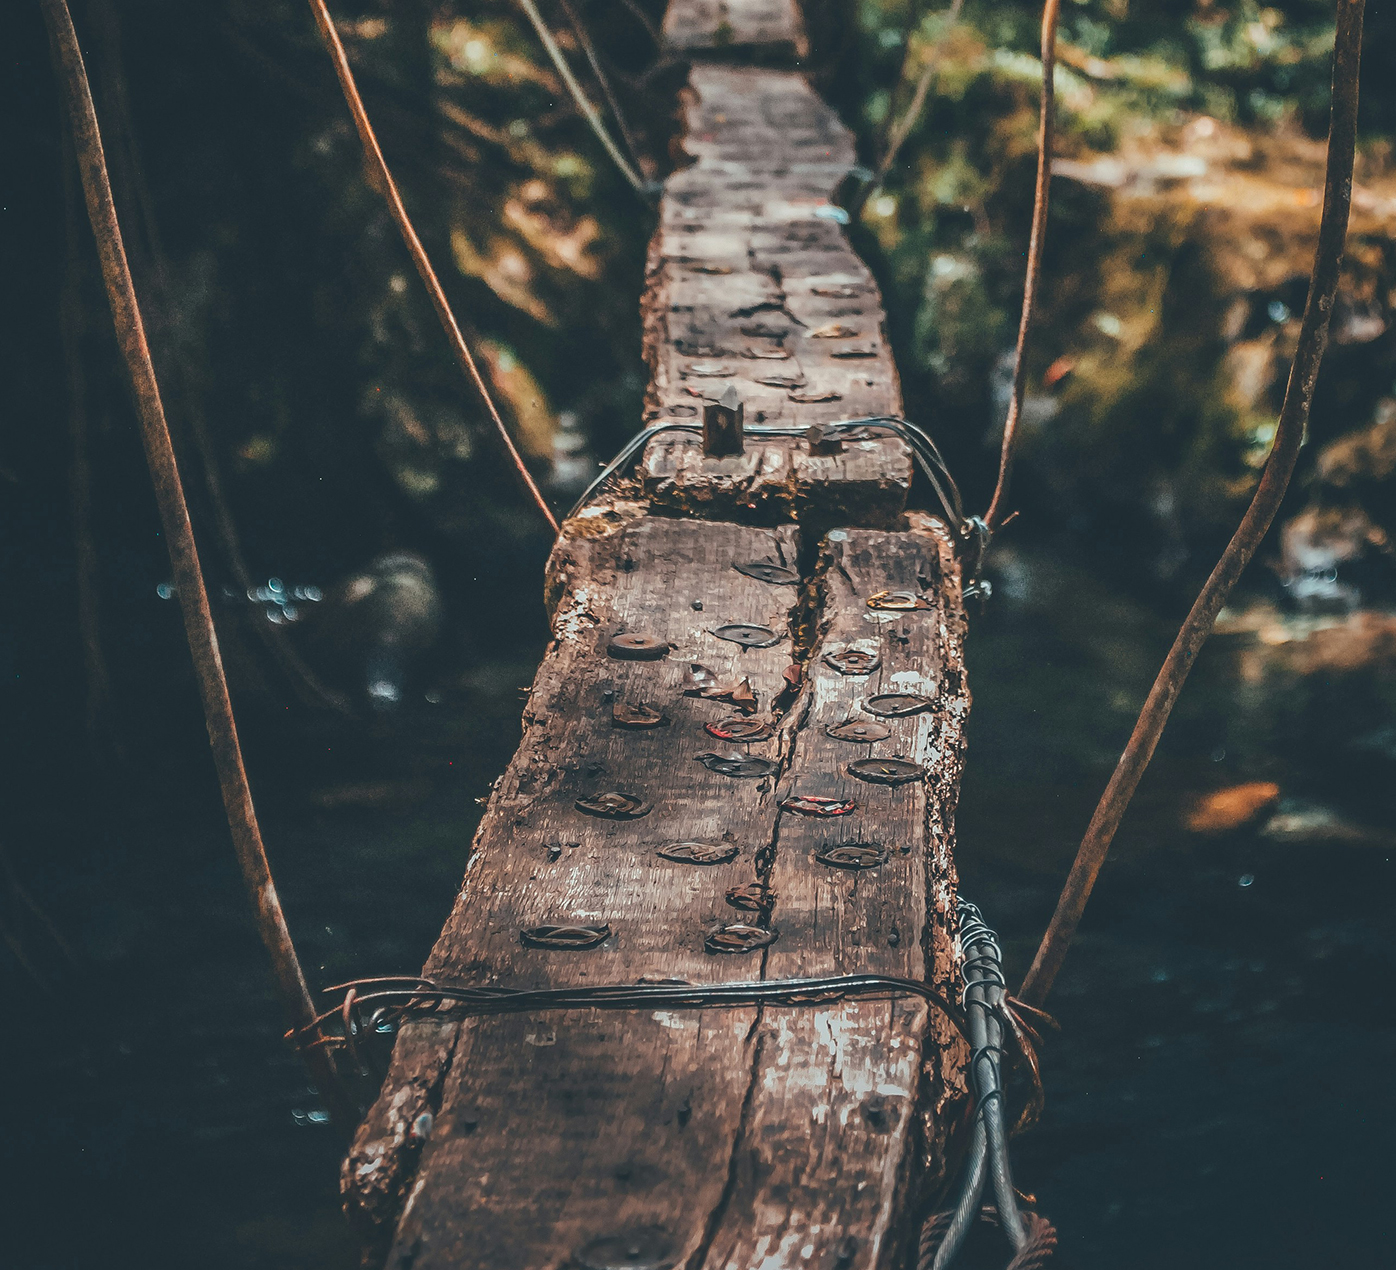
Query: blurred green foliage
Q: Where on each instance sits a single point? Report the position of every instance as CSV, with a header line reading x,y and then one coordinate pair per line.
x,y
1177,257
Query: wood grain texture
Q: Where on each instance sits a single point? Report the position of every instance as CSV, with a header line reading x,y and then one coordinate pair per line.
x,y
753,285
830,1151
769,30
733,1139
745,1136
550,1129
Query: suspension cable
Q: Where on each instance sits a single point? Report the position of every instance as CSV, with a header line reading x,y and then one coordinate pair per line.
x,y
574,20
374,154
1274,480
583,103
995,517
184,556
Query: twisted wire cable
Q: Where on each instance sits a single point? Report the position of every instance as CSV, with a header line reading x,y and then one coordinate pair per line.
x,y
984,1000
394,997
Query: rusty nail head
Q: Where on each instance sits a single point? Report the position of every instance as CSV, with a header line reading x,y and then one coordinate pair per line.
x,y
816,805
739,766
852,855
886,771
739,729
698,679
698,852
859,730
768,571
898,601
643,1248
614,805
748,635
575,938
639,715
751,897
738,937
852,661
896,705
637,646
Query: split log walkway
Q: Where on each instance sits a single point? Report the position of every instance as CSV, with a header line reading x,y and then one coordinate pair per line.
x,y
727,1139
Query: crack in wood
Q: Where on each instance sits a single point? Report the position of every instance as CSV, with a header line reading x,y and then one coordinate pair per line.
x,y
766,1136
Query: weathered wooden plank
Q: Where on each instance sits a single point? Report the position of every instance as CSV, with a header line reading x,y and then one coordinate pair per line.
x,y
761,29
752,284
550,1130
728,1139
830,1142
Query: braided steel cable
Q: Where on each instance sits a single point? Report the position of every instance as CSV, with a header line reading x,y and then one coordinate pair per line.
x,y
983,1000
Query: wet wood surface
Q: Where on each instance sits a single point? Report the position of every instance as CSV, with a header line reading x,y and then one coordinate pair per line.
x,y
734,1138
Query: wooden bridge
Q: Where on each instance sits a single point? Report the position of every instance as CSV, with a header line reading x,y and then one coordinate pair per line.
x,y
712,641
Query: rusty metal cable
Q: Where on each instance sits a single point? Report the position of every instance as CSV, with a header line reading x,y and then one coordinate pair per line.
x,y
997,514
374,154
583,103
579,29
1274,481
179,539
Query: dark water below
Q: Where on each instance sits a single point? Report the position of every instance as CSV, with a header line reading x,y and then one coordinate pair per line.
x,y
1219,1095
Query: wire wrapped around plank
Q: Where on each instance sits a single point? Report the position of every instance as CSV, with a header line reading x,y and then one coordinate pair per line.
x,y
400,995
